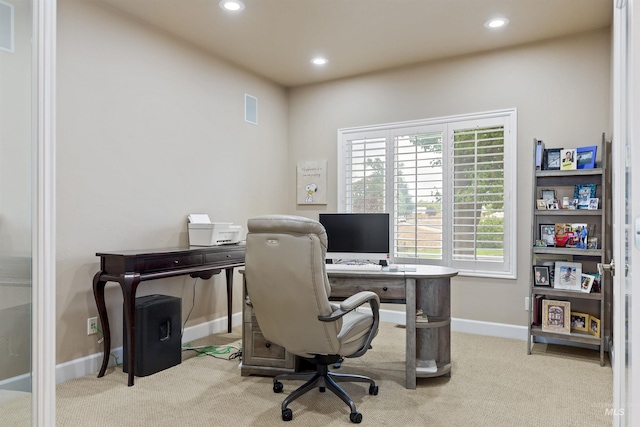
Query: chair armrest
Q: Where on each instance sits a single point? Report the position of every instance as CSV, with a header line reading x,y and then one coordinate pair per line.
x,y
353,302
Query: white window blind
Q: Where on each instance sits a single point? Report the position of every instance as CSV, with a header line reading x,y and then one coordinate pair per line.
x,y
448,183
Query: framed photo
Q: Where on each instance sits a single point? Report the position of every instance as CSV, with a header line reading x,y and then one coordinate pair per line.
x,y
580,236
548,234
556,316
573,204
541,204
541,276
568,275
584,192
552,158
553,205
568,159
587,283
579,321
594,326
586,157
593,203
548,194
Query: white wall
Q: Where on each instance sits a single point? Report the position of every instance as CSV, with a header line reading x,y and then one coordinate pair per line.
x,y
151,129
561,89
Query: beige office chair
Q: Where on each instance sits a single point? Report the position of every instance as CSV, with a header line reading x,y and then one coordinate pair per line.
x,y
289,290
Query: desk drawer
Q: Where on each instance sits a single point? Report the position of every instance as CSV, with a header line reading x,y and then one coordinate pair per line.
x,y
388,290
231,256
264,349
164,263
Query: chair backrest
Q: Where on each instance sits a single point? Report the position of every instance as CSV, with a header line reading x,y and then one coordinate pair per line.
x,y
287,283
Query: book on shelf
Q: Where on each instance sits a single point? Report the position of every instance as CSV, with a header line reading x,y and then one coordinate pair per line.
x,y
539,154
537,310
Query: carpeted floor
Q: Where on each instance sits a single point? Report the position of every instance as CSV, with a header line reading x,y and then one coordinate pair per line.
x,y
493,383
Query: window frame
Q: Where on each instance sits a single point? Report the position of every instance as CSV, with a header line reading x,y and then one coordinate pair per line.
x,y
507,268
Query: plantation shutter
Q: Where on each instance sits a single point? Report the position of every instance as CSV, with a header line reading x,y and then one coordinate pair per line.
x,y
478,187
418,192
365,168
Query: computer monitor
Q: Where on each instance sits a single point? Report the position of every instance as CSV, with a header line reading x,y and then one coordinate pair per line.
x,y
357,236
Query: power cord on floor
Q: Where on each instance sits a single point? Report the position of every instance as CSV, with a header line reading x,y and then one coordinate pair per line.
x,y
224,352
193,304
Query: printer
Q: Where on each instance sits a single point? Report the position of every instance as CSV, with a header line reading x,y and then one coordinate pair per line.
x,y
203,232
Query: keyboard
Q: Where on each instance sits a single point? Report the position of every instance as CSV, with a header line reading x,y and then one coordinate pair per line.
x,y
352,267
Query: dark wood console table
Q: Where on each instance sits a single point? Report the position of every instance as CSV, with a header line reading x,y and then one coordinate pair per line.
x,y
131,267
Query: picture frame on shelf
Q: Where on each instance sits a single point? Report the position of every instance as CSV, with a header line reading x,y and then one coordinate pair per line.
x,y
541,276
568,276
556,316
592,243
568,159
580,235
586,157
552,159
584,192
593,203
548,194
541,204
573,204
579,321
548,234
594,326
587,283
553,205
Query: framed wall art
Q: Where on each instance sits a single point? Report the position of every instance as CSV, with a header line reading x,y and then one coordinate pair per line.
x,y
312,182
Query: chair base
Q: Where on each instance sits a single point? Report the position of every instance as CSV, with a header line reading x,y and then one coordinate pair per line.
x,y
322,379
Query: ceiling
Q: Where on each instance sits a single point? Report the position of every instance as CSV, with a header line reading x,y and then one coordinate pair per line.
x,y
277,38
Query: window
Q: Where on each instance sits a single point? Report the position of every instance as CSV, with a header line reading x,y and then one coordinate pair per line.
x,y
448,182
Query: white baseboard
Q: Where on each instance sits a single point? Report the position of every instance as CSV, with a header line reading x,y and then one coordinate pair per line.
x,y
477,327
91,364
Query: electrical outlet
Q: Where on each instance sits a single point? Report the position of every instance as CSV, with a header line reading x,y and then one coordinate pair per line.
x,y
92,325
526,304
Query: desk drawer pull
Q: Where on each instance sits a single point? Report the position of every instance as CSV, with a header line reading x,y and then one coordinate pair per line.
x,y
268,345
385,288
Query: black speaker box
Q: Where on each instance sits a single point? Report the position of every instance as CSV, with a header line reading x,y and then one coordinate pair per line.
x,y
158,337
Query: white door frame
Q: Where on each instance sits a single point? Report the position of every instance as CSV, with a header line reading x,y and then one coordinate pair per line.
x,y
43,347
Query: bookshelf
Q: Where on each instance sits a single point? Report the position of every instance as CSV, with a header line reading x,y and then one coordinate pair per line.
x,y
568,254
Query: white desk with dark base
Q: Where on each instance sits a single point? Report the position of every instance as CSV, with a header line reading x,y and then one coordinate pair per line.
x,y
428,340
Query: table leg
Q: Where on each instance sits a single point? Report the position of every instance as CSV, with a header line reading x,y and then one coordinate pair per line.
x,y
229,272
129,283
410,330
98,294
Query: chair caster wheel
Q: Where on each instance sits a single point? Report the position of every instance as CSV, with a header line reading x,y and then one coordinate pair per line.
x,y
277,387
355,417
373,389
287,414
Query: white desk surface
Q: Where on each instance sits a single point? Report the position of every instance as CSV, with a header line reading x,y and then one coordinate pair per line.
x,y
412,271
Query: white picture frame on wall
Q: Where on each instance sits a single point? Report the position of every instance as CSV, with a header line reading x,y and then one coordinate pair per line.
x,y
311,186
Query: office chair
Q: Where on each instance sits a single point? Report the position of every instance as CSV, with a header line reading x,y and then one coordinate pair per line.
x,y
289,290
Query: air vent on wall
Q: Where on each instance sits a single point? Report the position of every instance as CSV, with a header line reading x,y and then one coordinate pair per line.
x,y
6,27
251,109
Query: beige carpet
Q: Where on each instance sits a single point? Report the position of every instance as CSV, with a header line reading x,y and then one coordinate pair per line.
x,y
493,383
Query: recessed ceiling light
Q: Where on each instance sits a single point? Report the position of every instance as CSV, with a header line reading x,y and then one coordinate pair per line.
x,y
496,23
232,5
319,60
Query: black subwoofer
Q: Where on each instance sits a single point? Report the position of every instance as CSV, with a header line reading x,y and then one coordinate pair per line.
x,y
158,330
